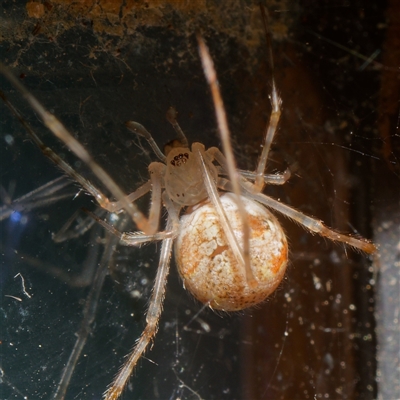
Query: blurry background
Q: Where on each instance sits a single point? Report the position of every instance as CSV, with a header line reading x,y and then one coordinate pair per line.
x,y
98,64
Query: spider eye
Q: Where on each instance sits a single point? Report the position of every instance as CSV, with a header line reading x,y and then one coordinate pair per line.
x,y
180,159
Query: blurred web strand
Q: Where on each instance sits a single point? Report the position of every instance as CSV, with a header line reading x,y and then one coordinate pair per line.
x,y
43,196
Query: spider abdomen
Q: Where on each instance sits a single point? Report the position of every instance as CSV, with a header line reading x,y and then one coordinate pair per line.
x,y
208,267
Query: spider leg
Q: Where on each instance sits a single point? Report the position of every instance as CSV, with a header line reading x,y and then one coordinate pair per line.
x,y
216,201
80,228
139,238
89,311
83,226
153,315
312,224
132,238
65,136
269,179
82,279
171,117
140,130
274,118
139,192
211,76
270,132
43,196
156,171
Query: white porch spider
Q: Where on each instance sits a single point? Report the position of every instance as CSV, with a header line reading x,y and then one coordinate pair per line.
x,y
191,179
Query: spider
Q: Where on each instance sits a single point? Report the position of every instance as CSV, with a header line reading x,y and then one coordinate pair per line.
x,y
231,252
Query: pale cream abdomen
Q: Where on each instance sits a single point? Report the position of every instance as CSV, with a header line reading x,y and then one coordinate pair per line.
x,y
208,267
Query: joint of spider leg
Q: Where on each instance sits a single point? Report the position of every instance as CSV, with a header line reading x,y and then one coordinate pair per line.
x,y
286,175
276,100
356,242
48,153
138,129
103,201
171,115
